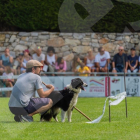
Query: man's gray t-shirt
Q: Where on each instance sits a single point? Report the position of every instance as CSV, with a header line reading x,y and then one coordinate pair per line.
x,y
24,89
39,58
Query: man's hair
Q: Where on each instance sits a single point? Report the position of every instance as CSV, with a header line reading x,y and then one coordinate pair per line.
x,y
121,47
6,49
100,48
30,69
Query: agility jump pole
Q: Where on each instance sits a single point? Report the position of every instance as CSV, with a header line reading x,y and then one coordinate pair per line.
x,y
125,90
108,93
125,86
77,109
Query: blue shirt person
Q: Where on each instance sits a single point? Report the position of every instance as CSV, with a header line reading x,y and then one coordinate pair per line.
x,y
133,62
5,60
118,61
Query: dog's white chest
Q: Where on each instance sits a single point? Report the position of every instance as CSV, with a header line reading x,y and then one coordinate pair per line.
x,y
73,101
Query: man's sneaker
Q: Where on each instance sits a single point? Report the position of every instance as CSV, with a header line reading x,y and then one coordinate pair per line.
x,y
27,118
18,118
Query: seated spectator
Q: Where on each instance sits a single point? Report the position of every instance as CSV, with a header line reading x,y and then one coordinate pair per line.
x,y
133,62
51,59
118,61
76,63
39,56
61,65
84,70
8,82
18,63
5,60
139,63
2,85
102,60
90,60
26,58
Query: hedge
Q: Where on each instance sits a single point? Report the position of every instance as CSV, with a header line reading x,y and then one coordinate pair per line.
x,y
54,15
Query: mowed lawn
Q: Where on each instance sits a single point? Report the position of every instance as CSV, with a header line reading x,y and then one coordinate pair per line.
x,y
120,128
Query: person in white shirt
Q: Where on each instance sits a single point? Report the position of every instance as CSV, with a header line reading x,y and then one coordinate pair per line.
x,y
50,59
102,60
39,56
9,82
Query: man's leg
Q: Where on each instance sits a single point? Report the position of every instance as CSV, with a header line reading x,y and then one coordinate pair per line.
x,y
37,105
135,71
129,72
43,108
97,70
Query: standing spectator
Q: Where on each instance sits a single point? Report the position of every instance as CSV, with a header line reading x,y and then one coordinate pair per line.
x,y
76,63
8,82
26,58
39,56
90,60
51,59
83,70
133,62
61,65
5,60
118,61
102,60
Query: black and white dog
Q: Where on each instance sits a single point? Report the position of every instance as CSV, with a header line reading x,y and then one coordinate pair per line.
x,y
70,96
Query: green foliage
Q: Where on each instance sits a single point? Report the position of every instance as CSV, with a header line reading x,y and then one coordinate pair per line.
x,y
30,15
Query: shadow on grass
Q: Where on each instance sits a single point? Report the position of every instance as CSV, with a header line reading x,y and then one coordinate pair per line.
x,y
24,122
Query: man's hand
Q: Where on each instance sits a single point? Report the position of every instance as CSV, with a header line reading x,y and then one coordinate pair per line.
x,y
125,70
47,63
132,68
50,86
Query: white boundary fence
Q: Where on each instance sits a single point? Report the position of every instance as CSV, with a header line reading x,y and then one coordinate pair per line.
x,y
97,85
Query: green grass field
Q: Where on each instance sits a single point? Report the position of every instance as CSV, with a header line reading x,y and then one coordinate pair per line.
x,y
120,128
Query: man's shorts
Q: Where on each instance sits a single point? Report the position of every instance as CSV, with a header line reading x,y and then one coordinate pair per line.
x,y
34,104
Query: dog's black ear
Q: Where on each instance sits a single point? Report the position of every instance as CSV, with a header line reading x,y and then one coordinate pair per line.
x,y
76,82
73,83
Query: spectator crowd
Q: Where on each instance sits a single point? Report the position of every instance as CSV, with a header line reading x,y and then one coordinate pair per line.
x,y
51,63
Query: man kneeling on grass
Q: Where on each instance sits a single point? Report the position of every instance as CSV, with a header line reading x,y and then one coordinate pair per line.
x,y
21,99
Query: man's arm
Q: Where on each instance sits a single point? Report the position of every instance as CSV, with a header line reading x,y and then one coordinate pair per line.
x,y
108,59
136,64
126,62
44,94
107,62
97,61
1,64
113,65
10,59
126,65
113,62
